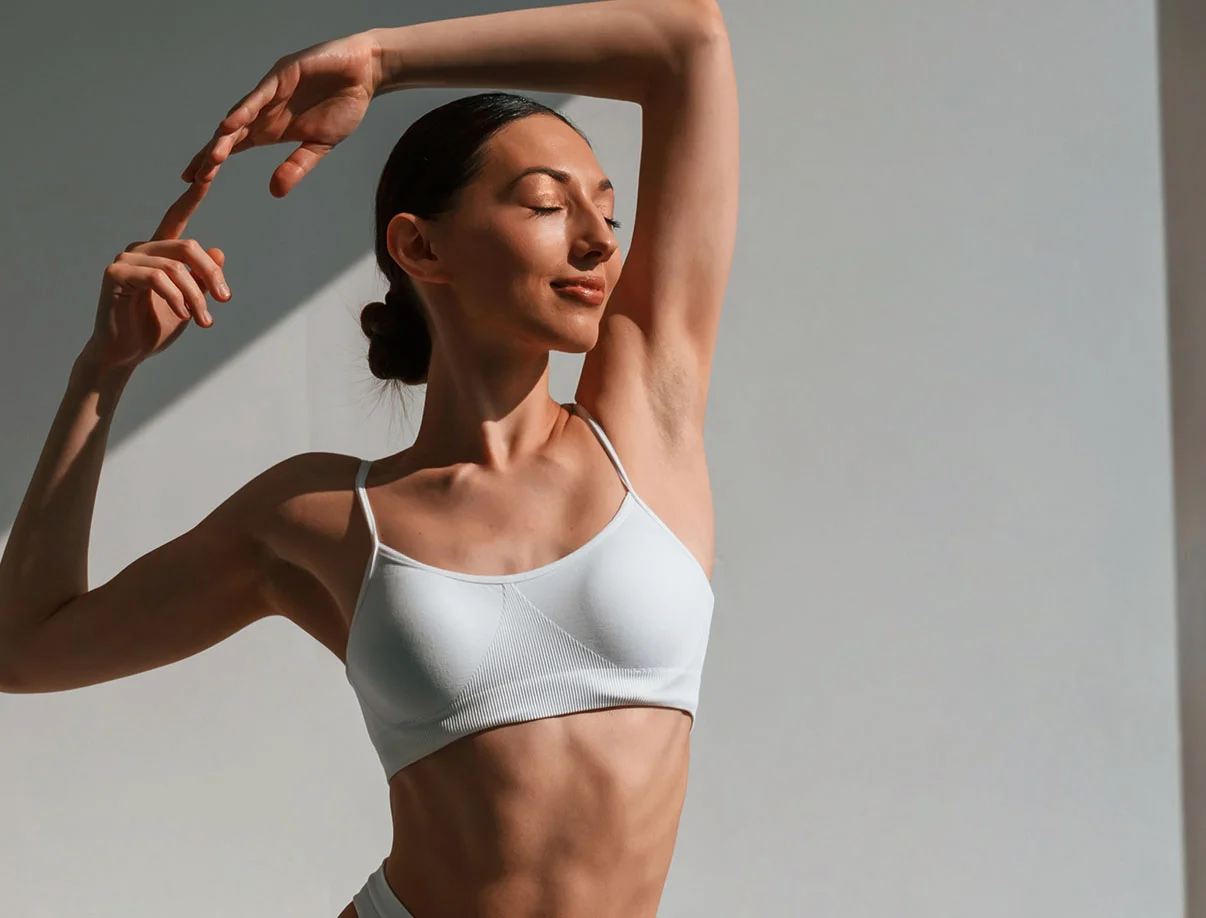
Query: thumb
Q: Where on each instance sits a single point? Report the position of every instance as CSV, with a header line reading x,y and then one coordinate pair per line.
x,y
289,173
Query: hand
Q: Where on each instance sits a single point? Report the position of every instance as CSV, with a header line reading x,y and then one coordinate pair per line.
x,y
153,288
317,95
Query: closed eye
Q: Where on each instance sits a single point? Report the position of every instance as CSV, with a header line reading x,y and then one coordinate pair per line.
x,y
614,224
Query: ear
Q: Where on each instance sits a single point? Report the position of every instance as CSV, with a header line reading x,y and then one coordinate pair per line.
x,y
409,241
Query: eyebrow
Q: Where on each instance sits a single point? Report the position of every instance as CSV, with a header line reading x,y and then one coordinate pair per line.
x,y
559,175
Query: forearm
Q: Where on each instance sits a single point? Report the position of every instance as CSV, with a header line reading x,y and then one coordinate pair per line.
x,y
45,562
609,49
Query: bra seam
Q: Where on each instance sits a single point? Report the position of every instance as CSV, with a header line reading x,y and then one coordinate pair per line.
x,y
462,697
439,715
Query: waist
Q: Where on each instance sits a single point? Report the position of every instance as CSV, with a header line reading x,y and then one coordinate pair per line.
x,y
581,809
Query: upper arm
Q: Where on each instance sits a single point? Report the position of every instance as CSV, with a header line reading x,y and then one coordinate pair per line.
x,y
659,330
173,602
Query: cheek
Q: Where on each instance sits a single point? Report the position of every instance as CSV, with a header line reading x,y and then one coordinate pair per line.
x,y
489,264
519,248
541,247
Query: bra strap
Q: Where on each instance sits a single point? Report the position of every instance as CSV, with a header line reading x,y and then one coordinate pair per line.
x,y
598,429
362,496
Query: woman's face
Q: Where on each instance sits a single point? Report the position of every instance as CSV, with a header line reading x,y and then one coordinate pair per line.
x,y
497,254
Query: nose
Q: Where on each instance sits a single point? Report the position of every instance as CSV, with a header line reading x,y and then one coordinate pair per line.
x,y
599,238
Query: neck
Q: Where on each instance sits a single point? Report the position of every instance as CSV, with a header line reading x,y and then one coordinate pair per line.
x,y
490,408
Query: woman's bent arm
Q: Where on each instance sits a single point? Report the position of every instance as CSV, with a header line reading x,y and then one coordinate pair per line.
x,y
608,49
181,598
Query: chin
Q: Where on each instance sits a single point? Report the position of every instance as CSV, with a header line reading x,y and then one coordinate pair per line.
x,y
577,345
572,330
576,338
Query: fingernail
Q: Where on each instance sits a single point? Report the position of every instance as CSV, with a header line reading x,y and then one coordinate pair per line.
x,y
224,290
206,316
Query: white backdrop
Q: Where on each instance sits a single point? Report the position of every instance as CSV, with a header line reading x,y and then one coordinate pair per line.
x,y
942,678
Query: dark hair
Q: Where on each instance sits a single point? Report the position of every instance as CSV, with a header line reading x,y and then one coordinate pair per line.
x,y
433,161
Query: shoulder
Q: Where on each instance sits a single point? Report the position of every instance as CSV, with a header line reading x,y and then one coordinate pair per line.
x,y
302,496
297,509
305,512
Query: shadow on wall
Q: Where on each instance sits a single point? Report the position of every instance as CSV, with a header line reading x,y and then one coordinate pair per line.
x,y
104,135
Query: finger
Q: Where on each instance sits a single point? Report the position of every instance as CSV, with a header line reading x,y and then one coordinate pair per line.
x,y
244,111
204,167
296,167
223,149
241,114
176,219
191,297
189,173
241,142
146,277
203,263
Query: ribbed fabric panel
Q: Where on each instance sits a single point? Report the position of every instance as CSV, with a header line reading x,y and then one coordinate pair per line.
x,y
533,669
528,645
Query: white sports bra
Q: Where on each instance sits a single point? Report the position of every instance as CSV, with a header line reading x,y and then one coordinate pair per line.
x,y
434,655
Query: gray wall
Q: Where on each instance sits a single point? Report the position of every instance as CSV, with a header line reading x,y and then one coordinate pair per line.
x,y
942,679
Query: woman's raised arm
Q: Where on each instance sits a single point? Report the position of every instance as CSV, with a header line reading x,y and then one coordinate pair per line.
x,y
317,96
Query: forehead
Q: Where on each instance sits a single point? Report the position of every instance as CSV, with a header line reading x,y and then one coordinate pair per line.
x,y
539,140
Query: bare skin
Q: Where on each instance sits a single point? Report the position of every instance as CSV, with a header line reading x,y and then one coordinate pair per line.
x,y
482,826
570,816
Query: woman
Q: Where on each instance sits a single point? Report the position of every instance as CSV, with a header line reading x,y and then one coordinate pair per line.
x,y
521,599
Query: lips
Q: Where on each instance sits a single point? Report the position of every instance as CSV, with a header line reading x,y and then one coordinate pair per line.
x,y
585,281
589,291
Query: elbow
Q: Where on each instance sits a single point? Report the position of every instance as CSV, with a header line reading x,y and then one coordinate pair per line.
x,y
676,34
13,661
701,24
698,28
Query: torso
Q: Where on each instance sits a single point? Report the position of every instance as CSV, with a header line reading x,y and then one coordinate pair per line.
x,y
574,815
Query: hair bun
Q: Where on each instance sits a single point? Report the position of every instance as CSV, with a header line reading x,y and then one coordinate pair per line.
x,y
399,341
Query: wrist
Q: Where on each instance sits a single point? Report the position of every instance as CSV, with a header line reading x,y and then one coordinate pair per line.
x,y
386,66
90,370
